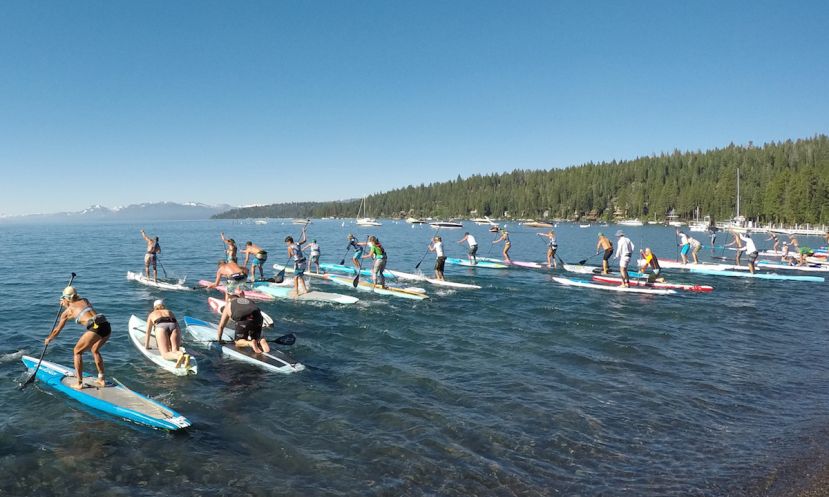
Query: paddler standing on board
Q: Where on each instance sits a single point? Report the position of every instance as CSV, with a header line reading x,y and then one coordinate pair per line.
x,y
751,250
624,250
151,257
552,246
96,335
473,247
359,248
507,243
259,254
773,237
231,249
607,246
649,260
696,246
684,246
738,243
378,253
248,319
300,263
437,247
315,256
234,274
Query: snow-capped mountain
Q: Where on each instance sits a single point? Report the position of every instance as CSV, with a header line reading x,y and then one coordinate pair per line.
x,y
144,212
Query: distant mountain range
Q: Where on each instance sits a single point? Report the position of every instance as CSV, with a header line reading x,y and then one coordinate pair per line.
x,y
142,212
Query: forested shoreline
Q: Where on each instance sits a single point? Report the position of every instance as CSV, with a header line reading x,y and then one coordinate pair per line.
x,y
781,182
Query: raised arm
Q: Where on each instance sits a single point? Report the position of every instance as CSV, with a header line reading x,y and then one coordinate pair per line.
x,y
146,238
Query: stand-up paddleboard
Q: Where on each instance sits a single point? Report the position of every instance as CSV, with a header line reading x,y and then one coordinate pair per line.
x,y
275,360
218,306
114,399
164,285
363,286
285,292
352,270
587,284
764,276
307,274
138,335
524,264
656,284
672,264
251,294
452,261
581,269
434,281
773,266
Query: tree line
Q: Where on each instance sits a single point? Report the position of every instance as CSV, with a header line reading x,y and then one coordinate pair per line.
x,y
780,182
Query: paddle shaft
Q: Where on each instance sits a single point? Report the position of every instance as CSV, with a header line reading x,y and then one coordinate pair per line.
x,y
57,316
359,268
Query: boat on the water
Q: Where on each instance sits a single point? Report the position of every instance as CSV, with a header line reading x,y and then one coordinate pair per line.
x,y
445,224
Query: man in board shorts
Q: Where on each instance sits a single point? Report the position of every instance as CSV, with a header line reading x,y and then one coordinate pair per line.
x,y
437,247
607,246
248,319
260,256
234,274
473,247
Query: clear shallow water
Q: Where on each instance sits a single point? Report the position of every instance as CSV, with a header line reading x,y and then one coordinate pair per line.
x,y
521,388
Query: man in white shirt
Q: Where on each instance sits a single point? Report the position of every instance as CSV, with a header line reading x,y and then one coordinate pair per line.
x,y
624,251
751,251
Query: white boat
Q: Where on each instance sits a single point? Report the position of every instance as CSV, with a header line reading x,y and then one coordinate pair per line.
x,y
584,225
445,224
537,224
631,222
301,221
414,220
260,221
365,221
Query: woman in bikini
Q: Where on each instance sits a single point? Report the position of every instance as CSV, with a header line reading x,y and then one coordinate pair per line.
x,y
96,335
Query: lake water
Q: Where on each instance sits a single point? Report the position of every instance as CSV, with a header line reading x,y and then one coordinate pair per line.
x,y
523,388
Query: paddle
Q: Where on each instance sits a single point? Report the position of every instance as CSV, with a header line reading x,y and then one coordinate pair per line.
x,y
427,250
359,268
581,262
57,316
158,259
288,339
280,276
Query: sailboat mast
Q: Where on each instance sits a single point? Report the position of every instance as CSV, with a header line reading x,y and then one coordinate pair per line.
x,y
738,192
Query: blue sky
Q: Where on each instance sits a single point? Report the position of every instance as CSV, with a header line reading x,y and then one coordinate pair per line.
x,y
116,102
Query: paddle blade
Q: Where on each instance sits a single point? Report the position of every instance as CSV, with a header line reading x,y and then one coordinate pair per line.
x,y
288,339
356,281
418,265
342,262
280,277
23,385
581,262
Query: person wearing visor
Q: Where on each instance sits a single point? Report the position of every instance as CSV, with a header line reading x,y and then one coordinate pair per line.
x,y
96,333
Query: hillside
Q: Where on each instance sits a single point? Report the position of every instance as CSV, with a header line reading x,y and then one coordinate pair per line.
x,y
781,182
